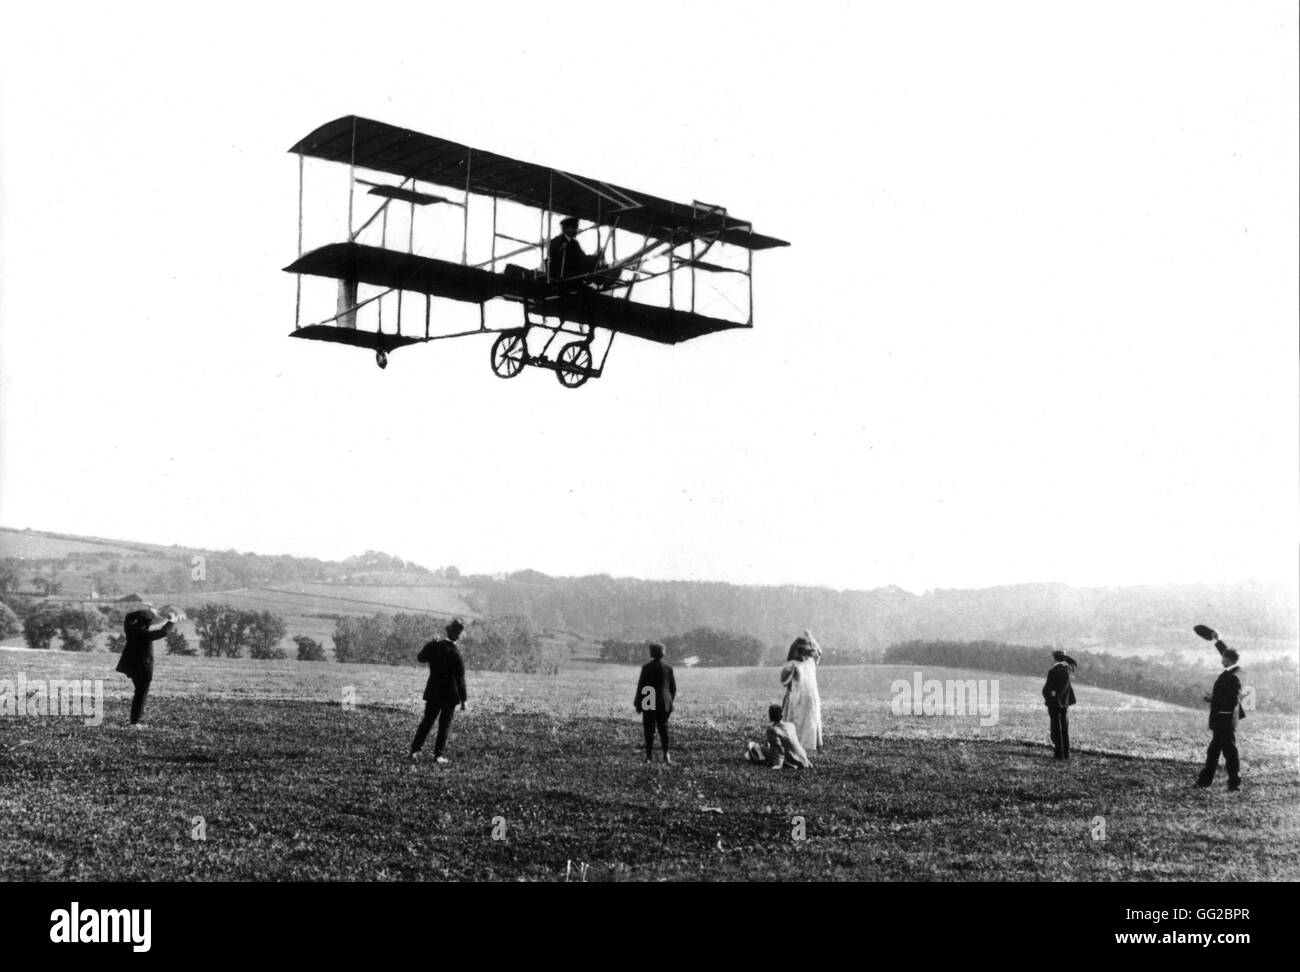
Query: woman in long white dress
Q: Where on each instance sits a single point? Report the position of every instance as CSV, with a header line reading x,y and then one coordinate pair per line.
x,y
803,703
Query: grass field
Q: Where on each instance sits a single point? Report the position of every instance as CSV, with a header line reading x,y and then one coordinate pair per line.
x,y
291,784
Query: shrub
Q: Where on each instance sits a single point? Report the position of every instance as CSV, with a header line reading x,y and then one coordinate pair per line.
x,y
309,649
40,626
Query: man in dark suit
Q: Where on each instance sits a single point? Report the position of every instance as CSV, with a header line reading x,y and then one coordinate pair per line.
x,y
655,691
565,257
1058,693
443,692
136,662
1225,712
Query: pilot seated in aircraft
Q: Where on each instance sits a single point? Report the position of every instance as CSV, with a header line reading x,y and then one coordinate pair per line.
x,y
566,258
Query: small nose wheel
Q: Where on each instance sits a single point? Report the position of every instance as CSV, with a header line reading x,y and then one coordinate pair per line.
x,y
381,359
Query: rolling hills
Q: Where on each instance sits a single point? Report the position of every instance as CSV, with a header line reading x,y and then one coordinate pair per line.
x,y
854,626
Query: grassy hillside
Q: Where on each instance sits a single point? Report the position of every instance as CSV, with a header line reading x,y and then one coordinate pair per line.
x,y
293,786
33,545
853,626
309,609
368,598
306,593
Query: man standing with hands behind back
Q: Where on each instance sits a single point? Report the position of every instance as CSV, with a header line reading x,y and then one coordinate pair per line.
x,y
443,692
1058,693
655,691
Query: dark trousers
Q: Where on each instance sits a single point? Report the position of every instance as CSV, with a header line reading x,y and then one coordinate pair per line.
x,y
1060,716
649,722
1223,741
141,693
441,712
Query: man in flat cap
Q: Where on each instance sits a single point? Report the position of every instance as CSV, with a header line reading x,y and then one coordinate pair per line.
x,y
655,691
566,257
1058,693
444,690
1225,712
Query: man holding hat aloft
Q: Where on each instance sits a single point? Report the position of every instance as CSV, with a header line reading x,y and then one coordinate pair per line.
x,y
1226,711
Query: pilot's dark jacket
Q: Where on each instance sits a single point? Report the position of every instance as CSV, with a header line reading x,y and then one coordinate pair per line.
x,y
567,259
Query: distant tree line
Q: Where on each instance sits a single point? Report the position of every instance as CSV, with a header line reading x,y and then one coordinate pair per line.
x,y
508,644
711,646
170,570
855,627
1276,682
75,627
175,643
225,632
628,652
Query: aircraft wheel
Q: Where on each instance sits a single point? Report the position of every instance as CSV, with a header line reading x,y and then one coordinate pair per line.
x,y
574,356
381,359
508,353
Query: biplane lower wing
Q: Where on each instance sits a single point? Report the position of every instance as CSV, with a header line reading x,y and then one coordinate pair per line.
x,y
379,267
663,325
373,340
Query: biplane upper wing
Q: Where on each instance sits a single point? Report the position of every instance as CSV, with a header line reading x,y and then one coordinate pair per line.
x,y
441,278
399,151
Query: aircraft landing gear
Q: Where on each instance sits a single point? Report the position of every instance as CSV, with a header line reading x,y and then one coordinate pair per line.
x,y
574,365
509,355
381,359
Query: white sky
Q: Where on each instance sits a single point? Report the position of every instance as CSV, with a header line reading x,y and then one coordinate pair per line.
x,y
1038,321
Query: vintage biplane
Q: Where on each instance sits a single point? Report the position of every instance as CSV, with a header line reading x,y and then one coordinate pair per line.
x,y
643,271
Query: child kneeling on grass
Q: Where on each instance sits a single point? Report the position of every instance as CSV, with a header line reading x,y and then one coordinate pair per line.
x,y
780,746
